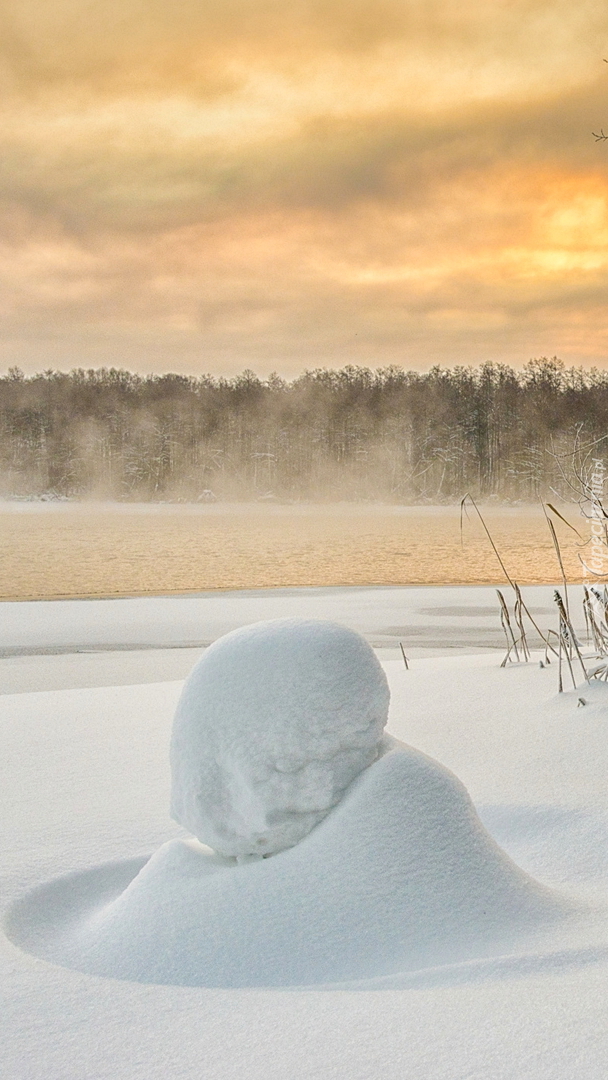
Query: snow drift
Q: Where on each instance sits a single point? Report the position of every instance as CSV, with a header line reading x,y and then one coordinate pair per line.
x,y
400,876
379,864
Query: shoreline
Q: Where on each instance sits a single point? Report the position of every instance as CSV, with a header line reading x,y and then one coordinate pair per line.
x,y
222,590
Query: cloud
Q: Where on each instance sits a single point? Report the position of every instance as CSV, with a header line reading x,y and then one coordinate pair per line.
x,y
254,183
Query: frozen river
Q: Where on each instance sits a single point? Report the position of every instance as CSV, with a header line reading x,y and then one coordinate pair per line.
x,y
57,644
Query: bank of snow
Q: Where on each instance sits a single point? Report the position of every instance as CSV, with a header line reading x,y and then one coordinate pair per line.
x,y
86,783
400,876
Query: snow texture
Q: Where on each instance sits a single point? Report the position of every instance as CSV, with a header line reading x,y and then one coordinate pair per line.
x,y
401,875
274,723
85,789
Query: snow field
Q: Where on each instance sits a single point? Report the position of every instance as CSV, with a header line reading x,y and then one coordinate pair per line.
x,y
86,783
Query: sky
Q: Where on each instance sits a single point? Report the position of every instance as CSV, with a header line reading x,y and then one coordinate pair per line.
x,y
213,185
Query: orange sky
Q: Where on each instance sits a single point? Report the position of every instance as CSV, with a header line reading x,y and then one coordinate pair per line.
x,y
209,185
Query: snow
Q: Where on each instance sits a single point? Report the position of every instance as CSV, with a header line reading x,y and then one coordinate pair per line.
x,y
25,673
85,784
274,723
401,876
438,616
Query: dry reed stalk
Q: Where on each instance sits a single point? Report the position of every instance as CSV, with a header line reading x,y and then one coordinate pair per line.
x,y
560,683
520,604
599,632
599,629
565,520
508,629
596,626
555,635
587,614
569,637
603,600
559,555
564,647
542,636
463,508
591,626
518,614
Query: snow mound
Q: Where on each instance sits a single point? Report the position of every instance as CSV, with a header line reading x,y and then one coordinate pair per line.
x,y
400,876
274,723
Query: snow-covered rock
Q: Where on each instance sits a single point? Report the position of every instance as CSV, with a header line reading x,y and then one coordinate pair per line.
x,y
273,725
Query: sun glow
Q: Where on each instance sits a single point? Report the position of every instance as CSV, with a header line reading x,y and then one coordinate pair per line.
x,y
281,188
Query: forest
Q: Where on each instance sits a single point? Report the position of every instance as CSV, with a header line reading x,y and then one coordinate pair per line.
x,y
387,435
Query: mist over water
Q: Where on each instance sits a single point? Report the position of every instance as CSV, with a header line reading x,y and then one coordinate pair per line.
x,y
354,435
348,477
50,550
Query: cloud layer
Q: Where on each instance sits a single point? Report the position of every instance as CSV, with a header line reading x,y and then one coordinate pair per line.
x,y
252,183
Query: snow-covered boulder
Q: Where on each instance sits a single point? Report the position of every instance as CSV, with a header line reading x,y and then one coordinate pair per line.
x,y
273,725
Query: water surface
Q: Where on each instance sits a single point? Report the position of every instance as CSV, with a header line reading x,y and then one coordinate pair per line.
x,y
60,550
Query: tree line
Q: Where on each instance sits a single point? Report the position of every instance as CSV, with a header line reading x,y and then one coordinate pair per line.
x,y
351,434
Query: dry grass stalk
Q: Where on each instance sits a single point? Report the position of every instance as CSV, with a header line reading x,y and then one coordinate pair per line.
x,y
558,553
463,510
520,607
595,611
555,635
564,650
505,621
586,607
596,606
595,630
407,666
518,612
568,637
